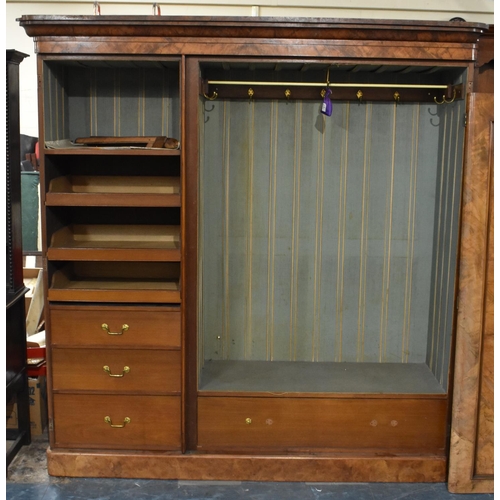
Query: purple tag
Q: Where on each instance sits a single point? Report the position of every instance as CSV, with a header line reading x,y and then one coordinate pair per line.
x,y
326,107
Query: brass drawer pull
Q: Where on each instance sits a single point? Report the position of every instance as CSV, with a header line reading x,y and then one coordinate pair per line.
x,y
107,369
105,327
126,421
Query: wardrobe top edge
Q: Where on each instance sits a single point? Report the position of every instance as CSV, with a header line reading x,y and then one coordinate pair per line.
x,y
249,21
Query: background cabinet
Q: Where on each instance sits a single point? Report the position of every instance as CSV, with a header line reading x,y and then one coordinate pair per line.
x,y
272,265
15,324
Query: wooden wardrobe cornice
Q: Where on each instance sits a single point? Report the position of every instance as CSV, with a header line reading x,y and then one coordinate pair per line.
x,y
253,27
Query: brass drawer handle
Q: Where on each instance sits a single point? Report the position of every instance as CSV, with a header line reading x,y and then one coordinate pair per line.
x,y
107,369
105,327
126,421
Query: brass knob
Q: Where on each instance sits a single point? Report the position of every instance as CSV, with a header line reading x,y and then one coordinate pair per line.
x,y
248,420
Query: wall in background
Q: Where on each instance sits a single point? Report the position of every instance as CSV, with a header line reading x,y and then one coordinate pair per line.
x,y
16,38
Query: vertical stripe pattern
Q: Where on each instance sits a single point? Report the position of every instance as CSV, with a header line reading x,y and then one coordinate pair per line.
x,y
343,235
111,101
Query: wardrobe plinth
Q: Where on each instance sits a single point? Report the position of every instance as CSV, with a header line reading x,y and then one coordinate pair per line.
x,y
244,467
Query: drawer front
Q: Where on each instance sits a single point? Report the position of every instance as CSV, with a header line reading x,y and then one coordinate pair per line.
x,y
155,422
127,370
399,425
126,326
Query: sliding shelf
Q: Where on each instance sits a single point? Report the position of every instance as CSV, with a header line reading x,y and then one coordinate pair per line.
x,y
86,290
116,243
112,151
119,191
127,282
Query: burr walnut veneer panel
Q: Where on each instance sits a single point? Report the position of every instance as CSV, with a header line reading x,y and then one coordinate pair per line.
x,y
327,468
471,453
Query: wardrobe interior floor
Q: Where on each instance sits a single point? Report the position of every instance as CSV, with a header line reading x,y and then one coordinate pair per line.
x,y
27,479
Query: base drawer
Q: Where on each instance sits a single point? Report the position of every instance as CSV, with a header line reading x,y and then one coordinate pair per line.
x,y
115,326
154,422
389,425
128,370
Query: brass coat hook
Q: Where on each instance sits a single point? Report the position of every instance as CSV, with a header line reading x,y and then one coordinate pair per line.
x,y
359,95
212,97
288,93
445,101
397,97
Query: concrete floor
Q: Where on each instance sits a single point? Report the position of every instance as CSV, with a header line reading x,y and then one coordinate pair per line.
x,y
27,479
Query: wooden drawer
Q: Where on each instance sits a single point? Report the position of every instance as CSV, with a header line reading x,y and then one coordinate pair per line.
x,y
155,422
83,326
388,425
149,371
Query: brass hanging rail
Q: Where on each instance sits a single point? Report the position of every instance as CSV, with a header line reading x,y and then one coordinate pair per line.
x,y
326,84
383,92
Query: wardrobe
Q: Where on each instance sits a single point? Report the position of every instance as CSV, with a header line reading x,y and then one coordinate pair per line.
x,y
260,239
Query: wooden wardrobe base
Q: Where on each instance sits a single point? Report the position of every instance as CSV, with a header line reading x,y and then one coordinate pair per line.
x,y
330,468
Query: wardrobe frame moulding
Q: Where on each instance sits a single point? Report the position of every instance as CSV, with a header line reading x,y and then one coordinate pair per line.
x,y
143,239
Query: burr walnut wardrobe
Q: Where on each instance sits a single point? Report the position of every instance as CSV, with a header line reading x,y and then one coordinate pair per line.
x,y
257,243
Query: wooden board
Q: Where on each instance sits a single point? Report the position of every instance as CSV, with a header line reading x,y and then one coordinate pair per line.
x,y
36,306
471,452
116,282
116,242
131,141
141,291
123,191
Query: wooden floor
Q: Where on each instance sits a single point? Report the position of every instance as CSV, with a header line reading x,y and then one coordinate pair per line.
x,y
289,376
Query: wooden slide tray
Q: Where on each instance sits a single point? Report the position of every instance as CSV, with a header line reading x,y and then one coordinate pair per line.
x,y
80,289
130,141
142,282
116,191
116,242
